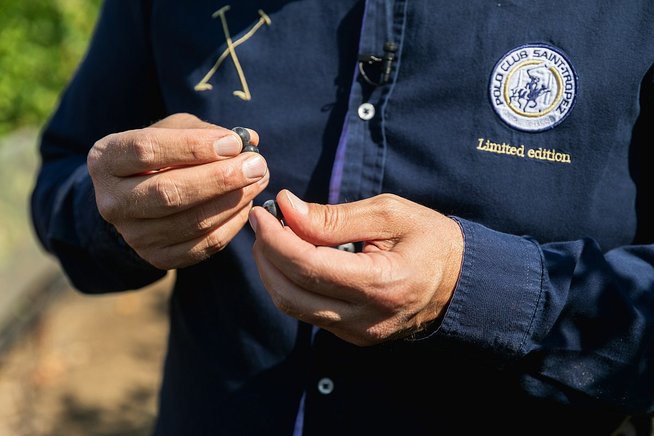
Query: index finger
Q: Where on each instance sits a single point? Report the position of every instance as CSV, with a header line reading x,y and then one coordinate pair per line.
x,y
154,148
320,269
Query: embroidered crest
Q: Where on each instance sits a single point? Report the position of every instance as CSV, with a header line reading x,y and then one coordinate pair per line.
x,y
533,87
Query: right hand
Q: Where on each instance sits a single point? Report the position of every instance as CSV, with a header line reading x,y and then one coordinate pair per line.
x,y
177,191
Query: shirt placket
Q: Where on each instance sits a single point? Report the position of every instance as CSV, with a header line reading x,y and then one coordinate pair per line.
x,y
357,173
359,165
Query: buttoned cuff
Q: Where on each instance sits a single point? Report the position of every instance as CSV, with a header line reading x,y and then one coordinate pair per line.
x,y
92,253
498,293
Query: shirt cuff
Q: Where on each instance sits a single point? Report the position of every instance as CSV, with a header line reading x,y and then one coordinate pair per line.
x,y
498,293
93,254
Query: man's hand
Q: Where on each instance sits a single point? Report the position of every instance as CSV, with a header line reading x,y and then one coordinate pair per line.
x,y
401,281
177,191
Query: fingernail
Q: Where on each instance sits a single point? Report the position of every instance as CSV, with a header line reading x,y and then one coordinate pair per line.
x,y
253,222
228,145
297,204
265,178
254,167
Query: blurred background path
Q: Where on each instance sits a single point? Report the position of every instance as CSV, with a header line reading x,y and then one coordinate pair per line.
x,y
70,364
87,365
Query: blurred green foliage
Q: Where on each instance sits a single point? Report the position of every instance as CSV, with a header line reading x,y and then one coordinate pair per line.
x,y
41,43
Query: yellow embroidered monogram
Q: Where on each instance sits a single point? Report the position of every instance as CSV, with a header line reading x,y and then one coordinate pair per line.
x,y
204,84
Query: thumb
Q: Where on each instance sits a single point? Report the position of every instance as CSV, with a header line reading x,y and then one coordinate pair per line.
x,y
327,224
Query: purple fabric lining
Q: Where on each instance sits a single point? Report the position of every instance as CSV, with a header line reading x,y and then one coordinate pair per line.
x,y
334,195
339,162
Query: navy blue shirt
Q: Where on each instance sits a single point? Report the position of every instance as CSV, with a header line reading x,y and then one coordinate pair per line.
x,y
529,122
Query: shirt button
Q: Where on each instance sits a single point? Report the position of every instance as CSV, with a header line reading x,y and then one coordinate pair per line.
x,y
325,386
366,111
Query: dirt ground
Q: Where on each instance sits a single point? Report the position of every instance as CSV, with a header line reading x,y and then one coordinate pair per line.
x,y
90,365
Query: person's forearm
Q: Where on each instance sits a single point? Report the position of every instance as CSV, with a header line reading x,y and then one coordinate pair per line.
x,y
114,89
67,222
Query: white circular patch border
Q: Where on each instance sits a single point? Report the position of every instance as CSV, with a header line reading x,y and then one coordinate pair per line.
x,y
533,87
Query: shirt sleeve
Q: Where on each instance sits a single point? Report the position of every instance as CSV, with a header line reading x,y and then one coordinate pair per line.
x,y
114,89
575,323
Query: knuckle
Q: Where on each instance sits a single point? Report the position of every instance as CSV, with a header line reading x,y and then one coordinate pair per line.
x,y
390,210
109,207
139,240
133,240
224,177
181,120
387,198
142,147
183,117
228,173
165,259
195,148
331,217
94,158
167,193
215,242
287,305
280,302
327,319
203,224
373,336
158,260
204,221
388,205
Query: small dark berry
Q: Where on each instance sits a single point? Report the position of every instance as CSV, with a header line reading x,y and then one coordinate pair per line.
x,y
272,207
243,134
250,147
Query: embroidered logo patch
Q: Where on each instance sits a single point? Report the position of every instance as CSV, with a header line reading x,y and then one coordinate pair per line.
x,y
533,87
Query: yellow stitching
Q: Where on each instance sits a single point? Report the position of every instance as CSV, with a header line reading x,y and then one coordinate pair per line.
x,y
550,108
203,85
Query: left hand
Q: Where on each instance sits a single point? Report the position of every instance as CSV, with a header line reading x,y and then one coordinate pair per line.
x,y
401,281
